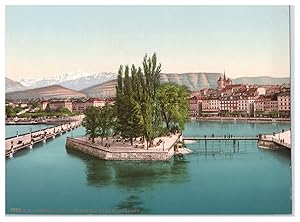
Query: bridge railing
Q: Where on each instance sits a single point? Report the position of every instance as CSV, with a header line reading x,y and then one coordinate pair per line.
x,y
220,137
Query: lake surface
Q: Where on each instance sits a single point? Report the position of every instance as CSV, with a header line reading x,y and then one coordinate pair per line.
x,y
218,178
11,130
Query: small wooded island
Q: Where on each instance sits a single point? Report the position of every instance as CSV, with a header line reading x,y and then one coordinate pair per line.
x,y
144,123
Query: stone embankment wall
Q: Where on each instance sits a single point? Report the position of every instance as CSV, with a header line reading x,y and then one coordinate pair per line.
x,y
267,144
106,154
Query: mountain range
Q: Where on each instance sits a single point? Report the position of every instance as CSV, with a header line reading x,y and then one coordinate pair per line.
x,y
103,84
72,80
11,85
48,92
261,80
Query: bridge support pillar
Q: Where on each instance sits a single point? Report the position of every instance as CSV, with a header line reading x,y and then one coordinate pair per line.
x,y
44,141
53,136
11,155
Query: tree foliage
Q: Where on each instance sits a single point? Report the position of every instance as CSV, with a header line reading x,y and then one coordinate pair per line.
x,y
127,120
173,100
48,109
9,111
90,122
105,121
99,121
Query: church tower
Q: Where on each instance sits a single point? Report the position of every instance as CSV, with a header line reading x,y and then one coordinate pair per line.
x,y
223,82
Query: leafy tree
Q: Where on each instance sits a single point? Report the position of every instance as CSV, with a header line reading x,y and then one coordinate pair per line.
x,y
48,109
9,111
17,109
91,121
173,100
62,109
34,104
105,121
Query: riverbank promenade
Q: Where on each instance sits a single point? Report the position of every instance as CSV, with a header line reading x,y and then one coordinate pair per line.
x,y
242,119
282,139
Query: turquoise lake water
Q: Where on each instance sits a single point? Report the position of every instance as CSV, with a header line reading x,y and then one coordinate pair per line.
x,y
11,130
219,178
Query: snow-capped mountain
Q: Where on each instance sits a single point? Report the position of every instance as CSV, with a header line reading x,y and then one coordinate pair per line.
x,y
11,85
71,80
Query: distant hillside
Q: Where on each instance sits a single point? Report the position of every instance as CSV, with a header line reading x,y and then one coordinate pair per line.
x,y
195,81
106,89
54,91
261,80
11,85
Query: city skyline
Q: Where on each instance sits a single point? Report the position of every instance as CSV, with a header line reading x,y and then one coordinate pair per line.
x,y
42,41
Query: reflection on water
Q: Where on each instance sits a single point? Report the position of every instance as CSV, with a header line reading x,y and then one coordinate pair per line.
x,y
132,175
132,202
216,150
283,155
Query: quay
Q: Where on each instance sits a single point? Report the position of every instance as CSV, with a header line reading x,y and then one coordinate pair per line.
x,y
27,140
56,121
122,150
242,119
277,140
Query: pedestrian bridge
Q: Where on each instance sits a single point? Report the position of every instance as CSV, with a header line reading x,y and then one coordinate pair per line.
x,y
27,140
220,138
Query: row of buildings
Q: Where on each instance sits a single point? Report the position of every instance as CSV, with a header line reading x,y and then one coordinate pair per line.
x,y
73,105
79,105
241,100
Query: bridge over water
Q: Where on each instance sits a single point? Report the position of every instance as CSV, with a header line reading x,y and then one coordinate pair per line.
x,y
27,140
220,138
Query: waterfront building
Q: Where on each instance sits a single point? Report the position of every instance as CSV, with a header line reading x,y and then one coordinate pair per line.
x,y
229,103
81,105
271,105
265,105
240,99
210,106
259,105
193,106
284,103
55,104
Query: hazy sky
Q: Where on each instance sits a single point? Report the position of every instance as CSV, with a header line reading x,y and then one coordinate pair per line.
x,y
244,40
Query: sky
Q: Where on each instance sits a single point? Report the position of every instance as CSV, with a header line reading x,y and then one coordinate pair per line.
x,y
43,41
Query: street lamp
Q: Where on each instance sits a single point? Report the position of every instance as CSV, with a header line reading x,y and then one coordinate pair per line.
x,y
163,145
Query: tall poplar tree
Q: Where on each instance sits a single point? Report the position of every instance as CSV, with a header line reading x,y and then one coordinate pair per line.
x,y
127,120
